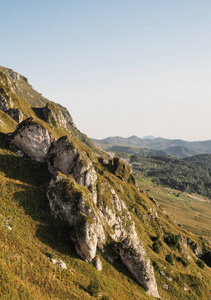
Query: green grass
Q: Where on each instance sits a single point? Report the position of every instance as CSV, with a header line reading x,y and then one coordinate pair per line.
x,y
193,212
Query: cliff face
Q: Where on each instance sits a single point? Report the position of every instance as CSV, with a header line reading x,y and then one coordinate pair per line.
x,y
86,201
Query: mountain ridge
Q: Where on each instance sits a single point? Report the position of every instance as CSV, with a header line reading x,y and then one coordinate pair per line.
x,y
175,147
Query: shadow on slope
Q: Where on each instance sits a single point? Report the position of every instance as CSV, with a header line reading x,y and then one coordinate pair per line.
x,y
54,233
24,169
39,112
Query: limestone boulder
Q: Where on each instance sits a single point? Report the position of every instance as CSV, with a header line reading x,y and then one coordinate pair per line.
x,y
73,204
33,139
66,157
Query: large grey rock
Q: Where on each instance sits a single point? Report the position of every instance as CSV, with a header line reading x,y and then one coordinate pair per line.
x,y
74,205
33,139
88,223
134,257
97,263
66,157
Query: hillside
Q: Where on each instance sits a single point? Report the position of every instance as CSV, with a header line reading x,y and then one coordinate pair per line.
x,y
75,224
191,175
141,146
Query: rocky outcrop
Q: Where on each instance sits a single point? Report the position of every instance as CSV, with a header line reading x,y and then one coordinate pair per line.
x,y
194,247
54,116
66,157
73,204
119,168
16,114
15,76
33,139
97,263
134,257
91,223
67,116
3,104
86,201
6,105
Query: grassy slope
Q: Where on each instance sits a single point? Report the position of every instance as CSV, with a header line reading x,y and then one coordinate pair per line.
x,y
192,211
26,273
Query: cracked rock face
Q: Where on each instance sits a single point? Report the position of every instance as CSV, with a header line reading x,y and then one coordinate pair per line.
x,y
66,158
33,139
88,224
74,205
134,257
86,202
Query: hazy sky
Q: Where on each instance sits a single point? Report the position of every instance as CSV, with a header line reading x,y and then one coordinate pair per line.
x,y
120,67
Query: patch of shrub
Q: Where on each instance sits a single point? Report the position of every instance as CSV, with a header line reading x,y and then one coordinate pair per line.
x,y
172,240
155,265
94,287
201,264
169,259
156,247
183,260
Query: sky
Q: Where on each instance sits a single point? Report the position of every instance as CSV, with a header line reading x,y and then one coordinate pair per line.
x,y
120,67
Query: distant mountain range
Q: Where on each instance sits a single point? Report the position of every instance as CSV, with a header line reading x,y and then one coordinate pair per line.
x,y
150,146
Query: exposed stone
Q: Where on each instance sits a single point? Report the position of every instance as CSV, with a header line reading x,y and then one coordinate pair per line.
x,y
3,104
59,263
194,247
67,116
162,273
118,167
134,257
33,139
54,116
66,157
15,76
165,286
184,247
16,114
74,205
97,263
169,278
8,227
